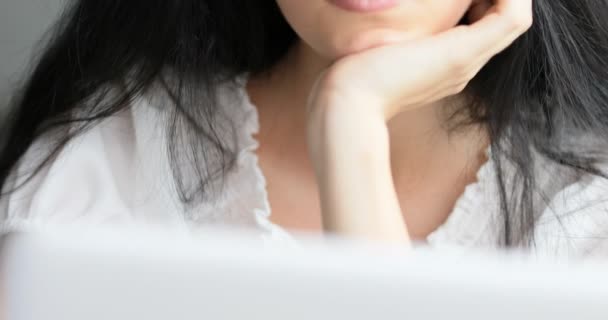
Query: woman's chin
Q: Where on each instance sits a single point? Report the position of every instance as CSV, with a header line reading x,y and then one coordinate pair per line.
x,y
370,39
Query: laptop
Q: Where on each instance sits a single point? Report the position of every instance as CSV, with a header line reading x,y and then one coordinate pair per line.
x,y
76,273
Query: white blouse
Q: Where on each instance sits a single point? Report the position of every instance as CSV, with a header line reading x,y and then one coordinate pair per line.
x,y
118,173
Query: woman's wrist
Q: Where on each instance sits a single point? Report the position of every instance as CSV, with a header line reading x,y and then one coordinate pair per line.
x,y
339,122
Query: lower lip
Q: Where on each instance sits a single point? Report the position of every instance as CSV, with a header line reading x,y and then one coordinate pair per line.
x,y
365,5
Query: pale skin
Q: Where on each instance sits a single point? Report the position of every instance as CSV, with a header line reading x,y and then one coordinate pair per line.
x,y
352,139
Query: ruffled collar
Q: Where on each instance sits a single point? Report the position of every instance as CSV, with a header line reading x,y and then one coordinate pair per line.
x,y
244,197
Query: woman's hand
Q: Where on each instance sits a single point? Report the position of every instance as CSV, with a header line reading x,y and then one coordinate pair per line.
x,y
400,76
354,98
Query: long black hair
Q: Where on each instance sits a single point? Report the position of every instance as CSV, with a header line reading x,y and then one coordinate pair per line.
x,y
545,89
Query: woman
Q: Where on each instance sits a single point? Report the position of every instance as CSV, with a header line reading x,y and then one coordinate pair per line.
x,y
457,122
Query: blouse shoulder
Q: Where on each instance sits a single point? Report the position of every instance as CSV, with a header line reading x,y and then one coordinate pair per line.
x,y
87,181
571,213
118,172
575,222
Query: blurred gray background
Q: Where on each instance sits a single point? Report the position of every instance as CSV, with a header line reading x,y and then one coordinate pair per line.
x,y
22,23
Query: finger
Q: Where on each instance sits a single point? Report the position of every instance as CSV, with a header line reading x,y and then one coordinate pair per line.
x,y
503,23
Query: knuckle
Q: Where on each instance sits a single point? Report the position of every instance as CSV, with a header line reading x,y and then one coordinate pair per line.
x,y
525,22
521,22
465,79
460,87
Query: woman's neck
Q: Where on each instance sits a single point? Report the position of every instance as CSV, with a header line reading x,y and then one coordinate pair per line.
x,y
416,135
430,166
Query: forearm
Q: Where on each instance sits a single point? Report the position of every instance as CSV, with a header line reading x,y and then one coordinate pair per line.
x,y
352,161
